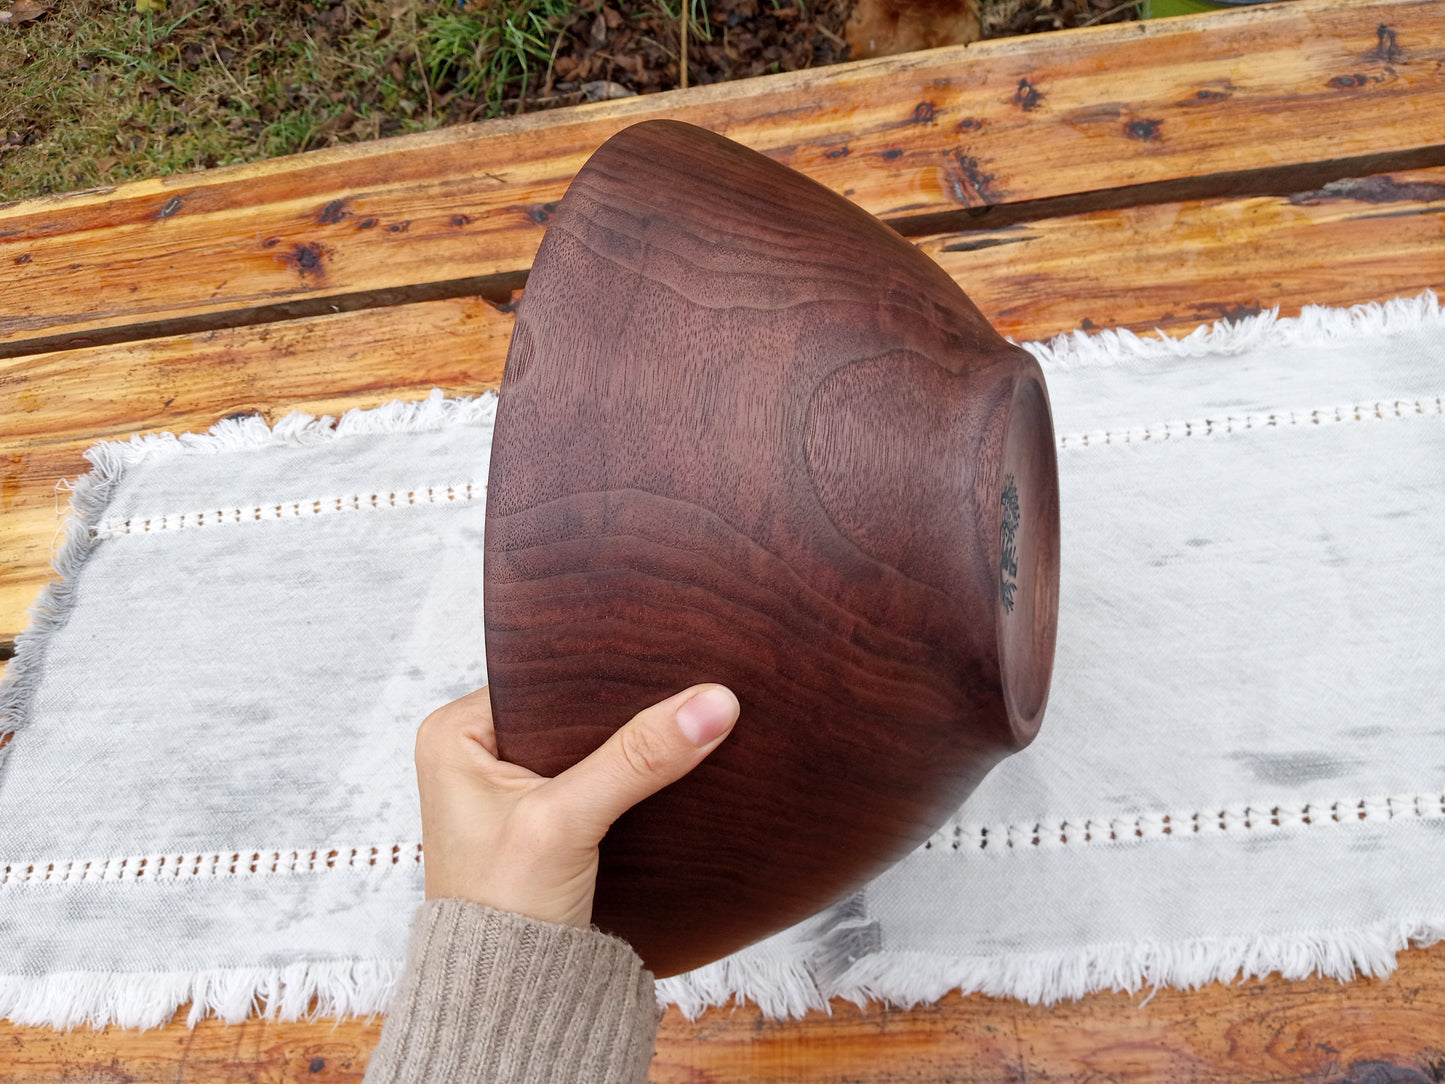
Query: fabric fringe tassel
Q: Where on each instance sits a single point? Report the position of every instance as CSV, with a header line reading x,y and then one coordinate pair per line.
x,y
791,987
781,987
307,990
1316,324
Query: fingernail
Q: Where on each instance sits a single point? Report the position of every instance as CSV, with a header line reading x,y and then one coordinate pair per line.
x,y
707,715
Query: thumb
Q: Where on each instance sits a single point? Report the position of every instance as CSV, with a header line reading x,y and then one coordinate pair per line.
x,y
658,746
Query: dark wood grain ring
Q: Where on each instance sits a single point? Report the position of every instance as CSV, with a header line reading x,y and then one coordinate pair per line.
x,y
748,434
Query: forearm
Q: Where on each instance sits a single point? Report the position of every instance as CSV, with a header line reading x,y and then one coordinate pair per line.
x,y
492,996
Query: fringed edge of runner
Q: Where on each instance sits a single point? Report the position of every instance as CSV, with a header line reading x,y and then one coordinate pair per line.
x,y
306,990
790,986
1314,324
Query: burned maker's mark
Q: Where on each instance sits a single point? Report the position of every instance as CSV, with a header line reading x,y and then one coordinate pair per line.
x,y
1027,96
1008,530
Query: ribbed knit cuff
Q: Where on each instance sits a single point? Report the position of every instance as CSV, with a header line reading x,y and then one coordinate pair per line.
x,y
497,997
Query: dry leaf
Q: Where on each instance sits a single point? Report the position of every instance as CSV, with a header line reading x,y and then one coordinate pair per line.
x,y
25,11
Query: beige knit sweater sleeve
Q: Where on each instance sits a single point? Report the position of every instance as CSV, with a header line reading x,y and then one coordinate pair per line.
x,y
497,997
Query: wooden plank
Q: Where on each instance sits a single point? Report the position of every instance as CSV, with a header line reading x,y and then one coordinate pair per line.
x,y
1169,266
1176,265
1220,104
1314,1030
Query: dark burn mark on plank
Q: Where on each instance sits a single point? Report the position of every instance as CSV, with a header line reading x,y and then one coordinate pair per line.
x,y
1206,95
892,154
924,113
1383,189
7,652
24,257
837,152
968,124
461,220
1280,181
967,182
1231,312
333,213
1386,48
1146,131
317,1064
271,242
241,415
984,242
498,290
1027,96
1343,82
366,224
1403,214
399,227
172,205
307,259
541,214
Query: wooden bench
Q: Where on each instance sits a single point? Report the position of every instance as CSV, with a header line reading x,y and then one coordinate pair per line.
x,y
1146,175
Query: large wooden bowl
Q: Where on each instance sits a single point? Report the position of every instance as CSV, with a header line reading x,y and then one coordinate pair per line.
x,y
748,434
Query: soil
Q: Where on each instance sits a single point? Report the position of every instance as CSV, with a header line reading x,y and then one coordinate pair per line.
x,y
631,47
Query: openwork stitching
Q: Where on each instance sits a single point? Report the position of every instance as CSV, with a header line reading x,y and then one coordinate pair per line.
x,y
1002,838
1210,427
114,526
185,867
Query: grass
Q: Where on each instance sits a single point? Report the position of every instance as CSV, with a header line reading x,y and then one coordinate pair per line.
x,y
98,92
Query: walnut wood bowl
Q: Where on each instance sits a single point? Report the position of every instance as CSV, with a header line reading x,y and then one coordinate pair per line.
x,y
748,434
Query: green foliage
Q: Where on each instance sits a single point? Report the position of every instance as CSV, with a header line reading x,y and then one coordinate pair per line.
x,y
480,53
99,91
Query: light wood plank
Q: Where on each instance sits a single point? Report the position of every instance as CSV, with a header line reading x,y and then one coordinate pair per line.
x,y
994,123
1168,266
1315,1030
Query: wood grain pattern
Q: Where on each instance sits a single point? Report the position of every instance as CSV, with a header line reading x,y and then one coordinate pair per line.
x,y
1372,239
949,132
1313,1032
748,434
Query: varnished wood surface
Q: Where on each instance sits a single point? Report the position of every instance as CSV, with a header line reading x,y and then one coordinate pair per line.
x,y
1169,266
1217,103
1317,1031
748,434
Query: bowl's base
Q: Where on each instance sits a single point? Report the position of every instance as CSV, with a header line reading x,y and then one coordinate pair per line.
x,y
1028,576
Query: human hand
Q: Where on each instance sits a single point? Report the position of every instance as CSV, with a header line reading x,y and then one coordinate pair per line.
x,y
498,834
